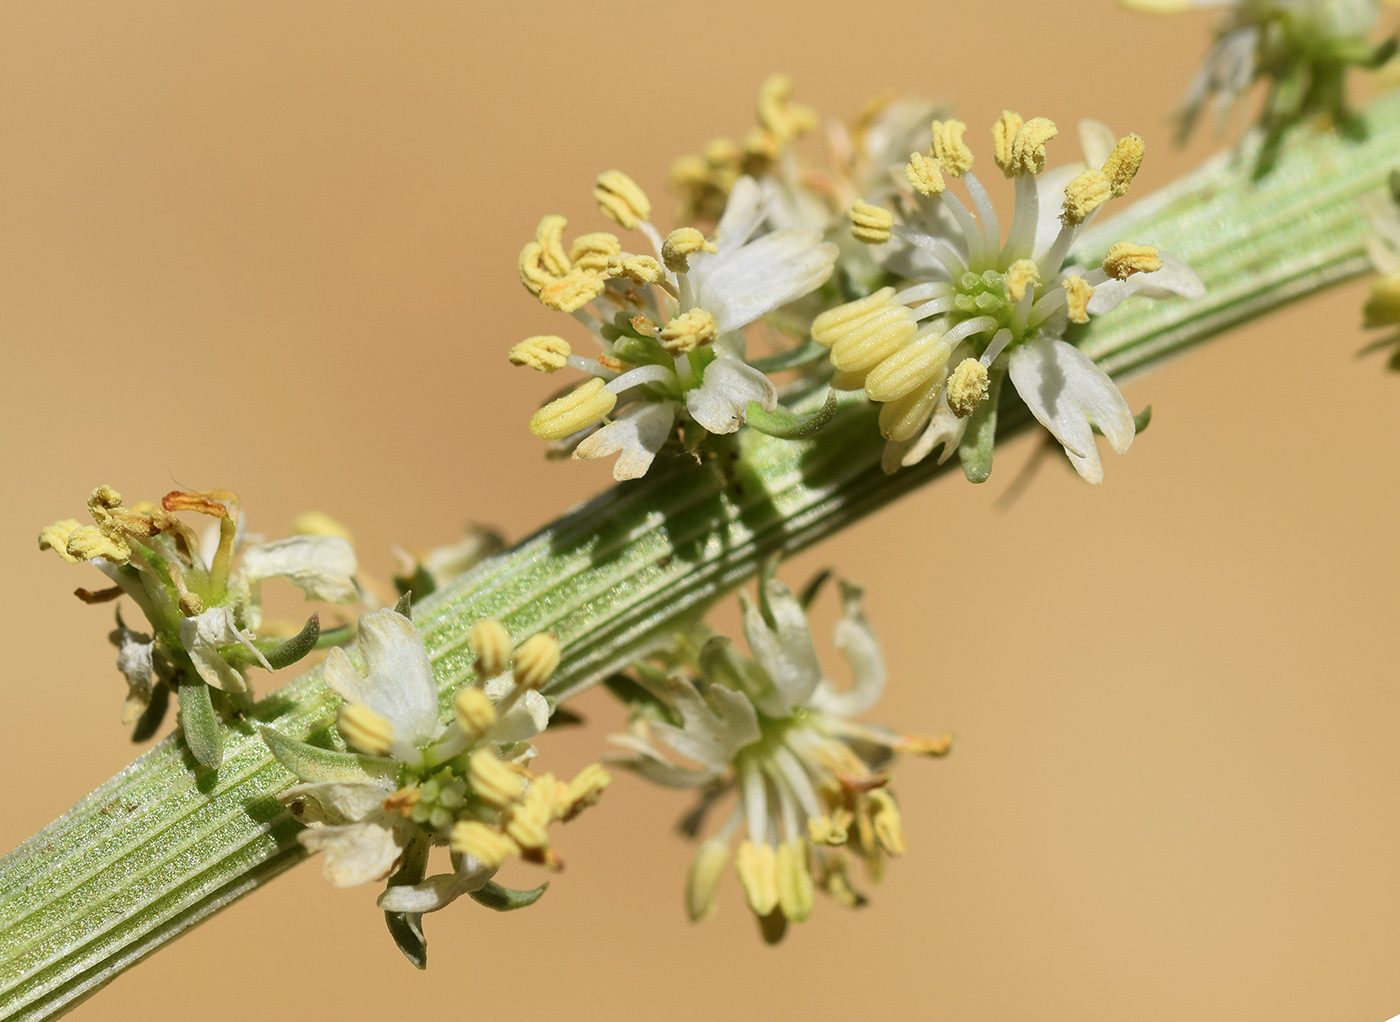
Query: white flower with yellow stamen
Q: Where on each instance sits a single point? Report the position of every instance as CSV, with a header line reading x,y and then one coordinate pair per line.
x,y
412,782
976,308
670,326
808,780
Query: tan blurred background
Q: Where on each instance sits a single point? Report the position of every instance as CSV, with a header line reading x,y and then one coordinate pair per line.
x,y
271,247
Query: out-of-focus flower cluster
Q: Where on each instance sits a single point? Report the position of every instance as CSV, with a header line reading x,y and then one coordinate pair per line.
x,y
1382,308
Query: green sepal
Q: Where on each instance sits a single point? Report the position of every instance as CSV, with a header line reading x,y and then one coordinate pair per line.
x,y
201,724
284,654
316,765
151,717
786,425
813,588
793,358
407,927
405,605
507,899
640,351
420,583
975,450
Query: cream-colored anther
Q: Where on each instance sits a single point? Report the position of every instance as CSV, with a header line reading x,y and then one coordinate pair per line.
x,y
1077,295
546,353
573,411
1124,259
794,876
318,523
366,730
907,369
1084,194
889,827
1028,148
924,174
572,291
949,147
87,542
620,199
1003,139
758,875
823,830
55,537
490,645
550,235
1382,306
847,381
967,386
591,252
528,823
536,660
583,791
474,712
904,418
688,331
834,324
532,274
837,884
702,883
680,245
874,339
484,843
639,269
784,119
926,745
761,149
1122,164
723,153
870,224
1020,275
493,781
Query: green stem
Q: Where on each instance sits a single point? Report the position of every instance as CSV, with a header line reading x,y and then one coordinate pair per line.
x,y
164,845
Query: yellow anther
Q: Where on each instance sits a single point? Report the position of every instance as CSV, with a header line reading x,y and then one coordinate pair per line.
x,y
573,411
903,418
1159,6
591,252
103,498
1382,306
546,353
889,827
474,712
907,369
1124,259
1003,138
87,542
823,830
795,894
926,745
639,269
688,331
870,224
837,884
572,291
1028,148
703,881
484,843
784,119
761,148
529,821
1021,275
490,645
834,324
536,660
758,875
403,800
620,199
1122,164
874,339
949,147
55,537
550,235
366,730
967,387
682,243
583,792
493,781
723,153
643,326
532,274
318,523
924,174
1086,193
1077,295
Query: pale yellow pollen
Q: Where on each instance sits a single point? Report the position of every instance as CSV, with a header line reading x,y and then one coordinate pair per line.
x,y
926,745
490,645
546,353
550,235
484,843
824,830
529,821
532,274
639,269
1028,148
949,147
870,224
1021,275
967,387
761,148
493,781
702,883
573,411
689,331
924,174
1084,194
87,541
795,894
1382,306
834,324
722,152
889,827
784,119
536,660
682,243
474,712
1122,164
572,291
758,875
643,326
103,498
318,523
874,339
1077,295
620,199
55,537
591,252
1003,138
908,368
904,417
1124,259
366,730
583,791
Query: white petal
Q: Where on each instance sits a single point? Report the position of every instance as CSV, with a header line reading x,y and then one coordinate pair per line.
x,y
334,803
1174,280
436,892
944,428
203,634
764,275
712,730
355,854
721,402
638,432
743,213
1097,140
647,763
399,685
136,660
527,718
323,567
857,642
786,653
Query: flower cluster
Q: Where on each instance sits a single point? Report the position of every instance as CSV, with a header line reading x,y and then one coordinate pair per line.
x,y
1382,307
202,599
412,782
972,308
810,783
669,325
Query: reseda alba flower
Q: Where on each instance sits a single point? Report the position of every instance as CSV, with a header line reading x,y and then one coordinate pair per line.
x,y
412,782
810,782
203,600
984,308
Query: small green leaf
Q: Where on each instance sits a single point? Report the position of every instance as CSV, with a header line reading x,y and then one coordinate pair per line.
x,y
405,605
420,583
284,654
813,589
315,765
793,358
507,899
975,451
200,723
407,927
786,425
